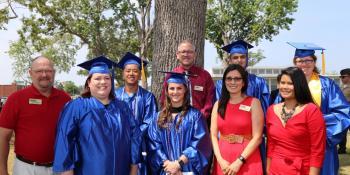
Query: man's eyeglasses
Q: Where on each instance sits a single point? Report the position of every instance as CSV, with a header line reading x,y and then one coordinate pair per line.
x,y
41,71
235,79
235,57
304,61
343,76
186,51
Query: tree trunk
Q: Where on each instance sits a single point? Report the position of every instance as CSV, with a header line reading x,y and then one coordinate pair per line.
x,y
176,20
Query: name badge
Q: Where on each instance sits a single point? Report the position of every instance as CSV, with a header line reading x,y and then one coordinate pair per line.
x,y
198,88
34,101
244,108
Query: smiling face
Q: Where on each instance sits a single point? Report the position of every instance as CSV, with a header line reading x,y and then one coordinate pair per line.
x,y
286,87
306,64
176,93
42,74
234,82
131,74
100,86
238,58
186,55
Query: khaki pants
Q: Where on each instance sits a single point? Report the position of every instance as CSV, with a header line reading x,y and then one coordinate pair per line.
x,y
22,168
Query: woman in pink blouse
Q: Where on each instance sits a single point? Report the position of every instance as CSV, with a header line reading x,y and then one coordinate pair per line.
x,y
295,129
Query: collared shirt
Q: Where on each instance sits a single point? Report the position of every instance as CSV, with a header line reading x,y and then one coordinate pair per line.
x,y
33,117
202,87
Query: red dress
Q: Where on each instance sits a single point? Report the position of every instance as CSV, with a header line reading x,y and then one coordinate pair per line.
x,y
237,121
297,146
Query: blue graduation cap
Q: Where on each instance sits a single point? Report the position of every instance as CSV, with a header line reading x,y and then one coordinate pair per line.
x,y
239,46
99,64
305,49
130,58
175,77
308,49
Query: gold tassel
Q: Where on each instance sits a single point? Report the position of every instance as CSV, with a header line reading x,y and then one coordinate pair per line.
x,y
143,75
323,71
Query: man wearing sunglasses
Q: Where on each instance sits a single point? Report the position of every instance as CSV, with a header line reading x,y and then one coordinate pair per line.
x,y
345,79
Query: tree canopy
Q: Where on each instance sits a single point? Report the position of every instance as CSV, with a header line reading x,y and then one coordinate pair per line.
x,y
59,28
250,20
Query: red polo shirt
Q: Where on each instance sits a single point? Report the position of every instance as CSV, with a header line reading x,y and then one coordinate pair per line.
x,y
202,86
33,117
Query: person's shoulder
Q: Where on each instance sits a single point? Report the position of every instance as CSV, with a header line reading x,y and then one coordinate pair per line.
x,y
61,93
201,70
23,93
255,77
195,113
146,92
311,106
119,89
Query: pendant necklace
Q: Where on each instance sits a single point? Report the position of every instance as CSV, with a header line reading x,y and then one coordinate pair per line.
x,y
287,115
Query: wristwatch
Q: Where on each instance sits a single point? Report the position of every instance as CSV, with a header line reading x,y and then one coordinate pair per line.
x,y
241,158
181,163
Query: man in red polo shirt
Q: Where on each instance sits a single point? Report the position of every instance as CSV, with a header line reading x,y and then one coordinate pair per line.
x,y
32,113
202,87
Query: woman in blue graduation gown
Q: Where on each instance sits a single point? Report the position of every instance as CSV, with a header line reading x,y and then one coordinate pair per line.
x,y
96,133
328,96
142,103
176,133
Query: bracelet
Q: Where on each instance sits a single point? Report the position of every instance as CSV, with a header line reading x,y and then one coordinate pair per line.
x,y
241,158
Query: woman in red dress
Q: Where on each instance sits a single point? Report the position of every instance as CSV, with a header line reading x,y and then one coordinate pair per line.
x,y
236,129
296,134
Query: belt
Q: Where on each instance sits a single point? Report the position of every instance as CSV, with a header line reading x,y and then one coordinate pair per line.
x,y
21,158
233,138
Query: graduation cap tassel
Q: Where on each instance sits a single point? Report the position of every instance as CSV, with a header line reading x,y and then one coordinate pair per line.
x,y
323,64
143,75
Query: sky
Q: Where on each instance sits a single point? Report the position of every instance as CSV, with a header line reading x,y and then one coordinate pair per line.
x,y
323,22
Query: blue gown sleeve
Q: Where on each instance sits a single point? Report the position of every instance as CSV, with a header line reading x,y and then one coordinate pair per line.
x,y
156,150
265,95
218,87
196,153
335,111
150,109
66,148
257,87
136,134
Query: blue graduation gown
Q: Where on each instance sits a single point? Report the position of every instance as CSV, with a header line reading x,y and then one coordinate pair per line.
x,y
144,106
336,111
93,139
170,144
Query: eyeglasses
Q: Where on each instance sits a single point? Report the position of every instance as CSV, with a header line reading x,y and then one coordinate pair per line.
x,y
235,57
304,61
234,79
186,51
41,71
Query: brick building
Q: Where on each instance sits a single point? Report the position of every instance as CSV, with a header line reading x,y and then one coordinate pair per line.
x,y
8,89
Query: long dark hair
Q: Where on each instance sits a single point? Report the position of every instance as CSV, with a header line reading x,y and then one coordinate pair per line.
x,y
165,115
225,95
87,93
301,88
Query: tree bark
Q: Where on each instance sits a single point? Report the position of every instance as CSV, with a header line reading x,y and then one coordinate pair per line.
x,y
175,21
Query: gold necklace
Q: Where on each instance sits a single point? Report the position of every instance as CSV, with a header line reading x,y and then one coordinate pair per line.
x,y
287,115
